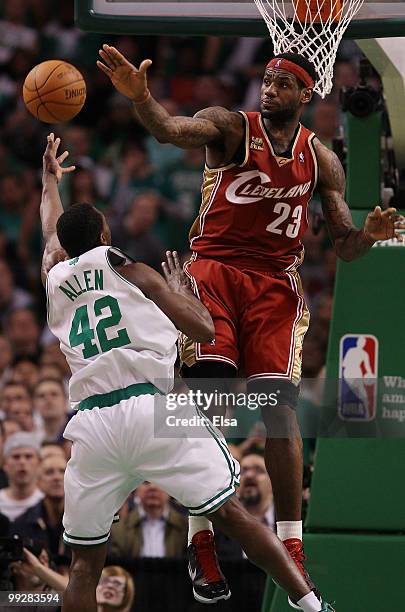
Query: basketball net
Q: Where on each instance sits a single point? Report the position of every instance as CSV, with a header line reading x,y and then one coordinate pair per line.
x,y
312,28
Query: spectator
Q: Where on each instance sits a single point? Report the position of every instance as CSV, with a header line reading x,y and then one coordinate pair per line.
x,y
3,476
50,371
6,357
13,393
52,355
137,237
21,412
152,529
51,449
43,522
22,329
24,579
255,490
50,402
21,465
9,428
25,370
11,297
115,590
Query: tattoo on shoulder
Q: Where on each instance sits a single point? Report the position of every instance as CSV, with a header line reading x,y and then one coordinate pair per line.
x,y
221,117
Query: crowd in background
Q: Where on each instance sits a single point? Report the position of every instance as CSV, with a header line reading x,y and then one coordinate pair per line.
x,y
150,194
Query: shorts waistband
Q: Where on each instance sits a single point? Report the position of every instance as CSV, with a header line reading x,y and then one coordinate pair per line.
x,y
104,400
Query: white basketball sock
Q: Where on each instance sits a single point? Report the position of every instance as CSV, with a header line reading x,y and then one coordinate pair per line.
x,y
310,603
196,524
289,529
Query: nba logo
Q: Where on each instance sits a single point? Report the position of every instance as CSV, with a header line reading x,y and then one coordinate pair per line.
x,y
301,157
278,63
358,377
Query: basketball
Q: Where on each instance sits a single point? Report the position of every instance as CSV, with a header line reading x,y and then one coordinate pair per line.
x,y
318,11
54,91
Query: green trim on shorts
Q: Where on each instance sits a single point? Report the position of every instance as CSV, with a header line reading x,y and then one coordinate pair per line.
x,y
230,489
104,400
85,542
222,445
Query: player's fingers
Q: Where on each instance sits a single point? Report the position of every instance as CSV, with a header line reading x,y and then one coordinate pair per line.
x,y
145,65
176,260
62,157
170,262
108,60
105,69
117,56
376,213
110,52
165,270
399,237
388,212
69,169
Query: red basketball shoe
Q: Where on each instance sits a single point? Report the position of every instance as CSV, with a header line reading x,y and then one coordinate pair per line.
x,y
295,548
209,584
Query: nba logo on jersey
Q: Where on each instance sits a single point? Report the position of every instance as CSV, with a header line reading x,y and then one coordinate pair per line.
x,y
358,377
301,157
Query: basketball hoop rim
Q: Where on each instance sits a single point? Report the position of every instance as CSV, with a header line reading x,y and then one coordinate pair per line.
x,y
89,21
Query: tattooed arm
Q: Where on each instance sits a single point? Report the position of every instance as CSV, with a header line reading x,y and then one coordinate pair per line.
x,y
215,127
349,242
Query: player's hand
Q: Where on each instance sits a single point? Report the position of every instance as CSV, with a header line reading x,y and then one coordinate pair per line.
x,y
126,78
174,275
384,224
52,164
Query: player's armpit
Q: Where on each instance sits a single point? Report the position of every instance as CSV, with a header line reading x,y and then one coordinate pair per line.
x,y
187,313
349,242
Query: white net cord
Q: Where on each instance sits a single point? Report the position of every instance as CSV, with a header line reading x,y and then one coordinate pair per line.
x,y
317,37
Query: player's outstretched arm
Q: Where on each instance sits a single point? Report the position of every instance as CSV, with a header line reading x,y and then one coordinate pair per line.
x,y
51,206
214,126
349,241
173,296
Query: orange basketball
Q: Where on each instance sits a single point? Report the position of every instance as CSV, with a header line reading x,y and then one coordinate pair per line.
x,y
317,11
54,91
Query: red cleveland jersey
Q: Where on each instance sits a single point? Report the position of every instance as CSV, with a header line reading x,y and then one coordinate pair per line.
x,y
253,215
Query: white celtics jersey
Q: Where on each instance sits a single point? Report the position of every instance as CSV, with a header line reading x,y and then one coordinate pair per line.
x,y
112,335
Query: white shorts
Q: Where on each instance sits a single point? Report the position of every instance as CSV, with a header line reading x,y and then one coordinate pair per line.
x,y
116,448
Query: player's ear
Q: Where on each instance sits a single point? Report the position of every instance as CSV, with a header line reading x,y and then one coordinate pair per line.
x,y
306,95
104,240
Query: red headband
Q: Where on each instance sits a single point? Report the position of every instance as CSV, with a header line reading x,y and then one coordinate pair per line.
x,y
284,64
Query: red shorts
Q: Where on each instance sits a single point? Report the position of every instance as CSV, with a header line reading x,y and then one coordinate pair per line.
x,y
260,319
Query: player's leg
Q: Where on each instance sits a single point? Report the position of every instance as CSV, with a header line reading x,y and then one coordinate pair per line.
x,y
272,332
96,486
210,585
207,368
265,549
85,571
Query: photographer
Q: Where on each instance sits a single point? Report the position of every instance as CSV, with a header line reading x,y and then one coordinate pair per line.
x,y
20,576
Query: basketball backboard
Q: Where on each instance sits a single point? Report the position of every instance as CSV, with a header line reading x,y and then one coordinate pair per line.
x,y
375,19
